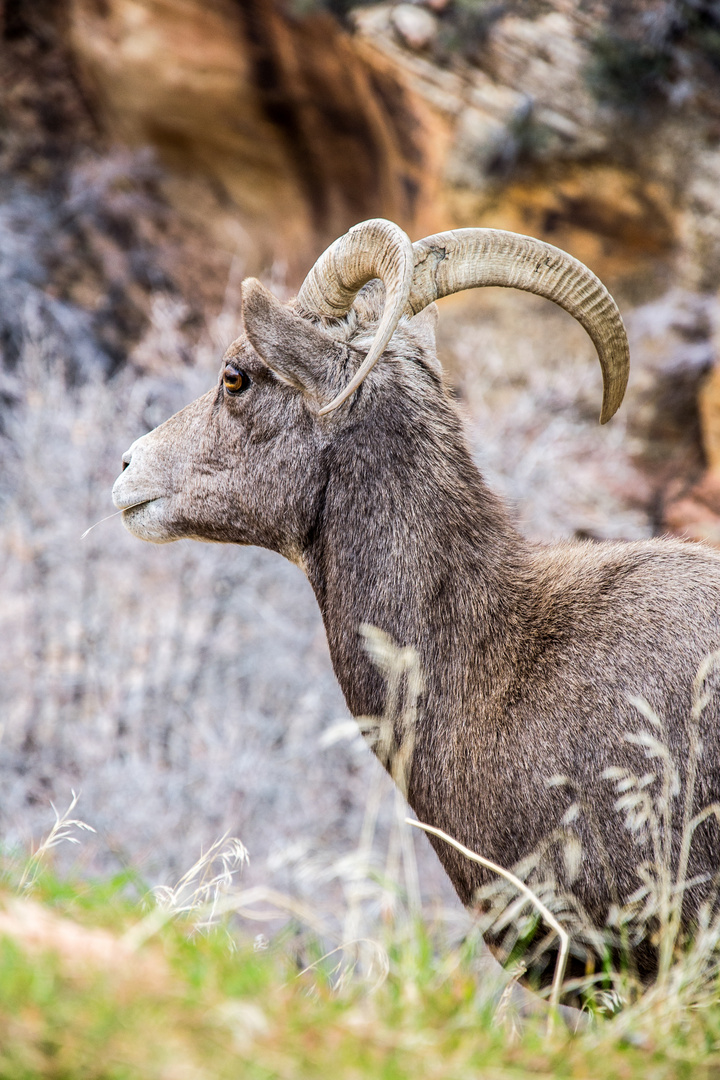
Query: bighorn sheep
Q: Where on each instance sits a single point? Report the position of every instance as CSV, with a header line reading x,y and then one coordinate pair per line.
x,y
332,439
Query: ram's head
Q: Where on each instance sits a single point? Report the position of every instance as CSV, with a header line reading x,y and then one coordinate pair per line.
x,y
249,461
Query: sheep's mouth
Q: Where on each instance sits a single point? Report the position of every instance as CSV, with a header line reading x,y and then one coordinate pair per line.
x,y
143,510
138,505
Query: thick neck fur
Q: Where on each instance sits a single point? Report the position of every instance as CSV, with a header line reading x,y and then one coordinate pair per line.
x,y
409,539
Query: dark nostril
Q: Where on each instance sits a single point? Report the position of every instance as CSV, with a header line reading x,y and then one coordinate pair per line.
x,y
125,465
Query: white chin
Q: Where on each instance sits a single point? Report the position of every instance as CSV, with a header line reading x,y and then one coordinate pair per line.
x,y
146,522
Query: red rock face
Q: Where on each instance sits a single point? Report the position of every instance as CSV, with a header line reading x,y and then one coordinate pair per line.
x,y
292,128
695,513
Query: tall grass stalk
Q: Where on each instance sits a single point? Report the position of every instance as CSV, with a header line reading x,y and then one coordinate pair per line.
x,y
61,832
656,908
561,963
392,737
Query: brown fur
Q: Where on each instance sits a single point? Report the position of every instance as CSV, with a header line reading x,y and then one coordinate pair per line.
x,y
529,653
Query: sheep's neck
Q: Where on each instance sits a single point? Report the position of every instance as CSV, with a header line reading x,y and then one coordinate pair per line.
x,y
416,545
409,539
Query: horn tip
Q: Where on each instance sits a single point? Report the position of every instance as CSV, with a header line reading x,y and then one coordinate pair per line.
x,y
609,407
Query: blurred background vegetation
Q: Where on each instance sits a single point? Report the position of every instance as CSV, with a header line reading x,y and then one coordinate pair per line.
x,y
155,152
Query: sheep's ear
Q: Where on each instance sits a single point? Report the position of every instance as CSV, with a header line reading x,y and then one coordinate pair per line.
x,y
292,347
424,327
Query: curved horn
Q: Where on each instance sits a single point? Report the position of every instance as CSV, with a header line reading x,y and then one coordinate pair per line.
x,y
372,249
467,258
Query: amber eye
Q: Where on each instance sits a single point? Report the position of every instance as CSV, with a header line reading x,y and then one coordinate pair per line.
x,y
235,381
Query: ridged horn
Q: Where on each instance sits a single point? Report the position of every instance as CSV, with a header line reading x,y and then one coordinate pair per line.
x,y
373,249
449,262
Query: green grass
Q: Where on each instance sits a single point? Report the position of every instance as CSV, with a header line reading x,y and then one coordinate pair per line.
x,y
76,1001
